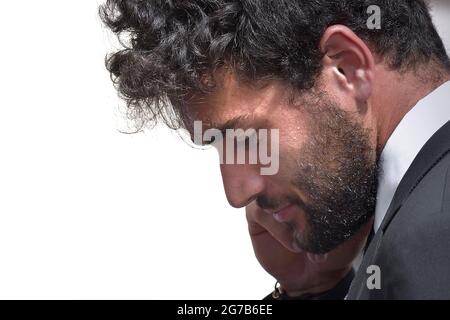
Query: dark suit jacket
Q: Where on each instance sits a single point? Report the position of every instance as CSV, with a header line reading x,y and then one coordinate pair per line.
x,y
412,245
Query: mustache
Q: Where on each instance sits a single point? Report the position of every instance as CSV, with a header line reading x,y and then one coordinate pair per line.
x,y
267,203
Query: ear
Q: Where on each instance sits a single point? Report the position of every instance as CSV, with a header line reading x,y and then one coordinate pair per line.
x,y
351,61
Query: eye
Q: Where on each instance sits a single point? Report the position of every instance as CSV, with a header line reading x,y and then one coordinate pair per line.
x,y
210,142
213,141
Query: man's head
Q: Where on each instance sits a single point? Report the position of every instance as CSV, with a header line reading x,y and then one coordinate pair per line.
x,y
311,69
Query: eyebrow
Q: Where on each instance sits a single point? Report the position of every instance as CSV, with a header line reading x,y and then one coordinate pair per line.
x,y
235,123
240,122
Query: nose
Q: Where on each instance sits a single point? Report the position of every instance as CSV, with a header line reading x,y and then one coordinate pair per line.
x,y
242,183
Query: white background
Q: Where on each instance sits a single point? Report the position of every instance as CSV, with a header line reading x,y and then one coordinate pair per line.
x,y
87,212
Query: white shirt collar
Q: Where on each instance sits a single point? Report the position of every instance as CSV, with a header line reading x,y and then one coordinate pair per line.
x,y
413,131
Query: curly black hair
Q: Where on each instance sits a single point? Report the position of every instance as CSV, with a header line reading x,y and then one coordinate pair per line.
x,y
173,47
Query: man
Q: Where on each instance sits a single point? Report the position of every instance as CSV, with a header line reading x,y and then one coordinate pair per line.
x,y
359,92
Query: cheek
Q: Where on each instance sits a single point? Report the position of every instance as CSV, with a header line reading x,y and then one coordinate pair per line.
x,y
294,127
291,146
294,135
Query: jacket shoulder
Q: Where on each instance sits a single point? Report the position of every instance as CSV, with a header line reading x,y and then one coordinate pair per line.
x,y
415,249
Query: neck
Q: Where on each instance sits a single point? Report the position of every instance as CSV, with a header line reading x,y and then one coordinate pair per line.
x,y
395,94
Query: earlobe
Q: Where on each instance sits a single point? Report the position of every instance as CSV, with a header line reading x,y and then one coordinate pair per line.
x,y
351,59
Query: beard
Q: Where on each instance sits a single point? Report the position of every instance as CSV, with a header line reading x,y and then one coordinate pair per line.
x,y
337,169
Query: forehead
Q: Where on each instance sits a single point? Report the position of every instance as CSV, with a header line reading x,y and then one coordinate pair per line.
x,y
233,99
